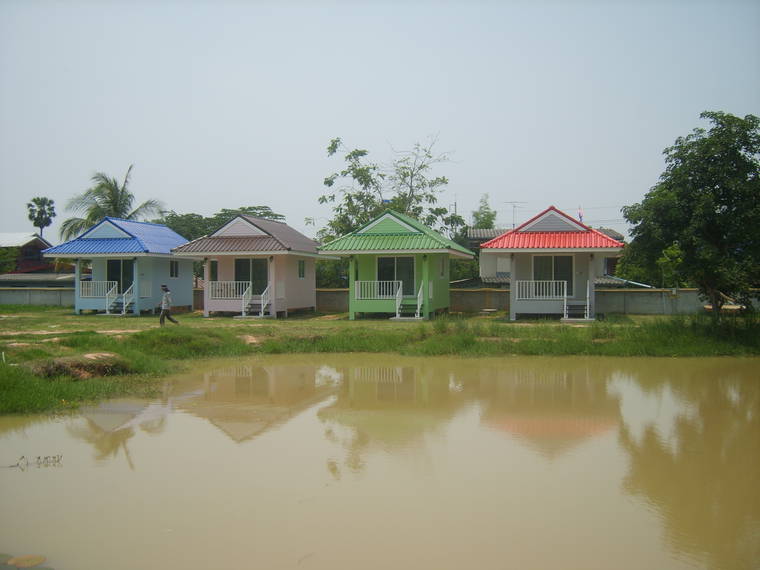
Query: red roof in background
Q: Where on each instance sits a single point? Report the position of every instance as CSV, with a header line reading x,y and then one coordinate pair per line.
x,y
582,238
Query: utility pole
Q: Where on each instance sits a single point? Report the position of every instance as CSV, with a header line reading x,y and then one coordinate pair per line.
x,y
515,205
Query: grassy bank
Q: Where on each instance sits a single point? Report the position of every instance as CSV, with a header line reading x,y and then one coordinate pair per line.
x,y
55,360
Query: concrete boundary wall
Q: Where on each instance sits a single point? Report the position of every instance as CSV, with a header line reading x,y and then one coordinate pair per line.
x,y
58,296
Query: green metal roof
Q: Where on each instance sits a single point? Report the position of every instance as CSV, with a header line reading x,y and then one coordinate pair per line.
x,y
418,238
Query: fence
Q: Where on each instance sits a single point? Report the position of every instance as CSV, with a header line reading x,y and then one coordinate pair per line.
x,y
57,296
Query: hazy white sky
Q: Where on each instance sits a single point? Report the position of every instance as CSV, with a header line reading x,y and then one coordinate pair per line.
x,y
227,104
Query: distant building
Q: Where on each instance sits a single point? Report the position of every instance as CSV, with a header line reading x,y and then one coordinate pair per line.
x,y
30,247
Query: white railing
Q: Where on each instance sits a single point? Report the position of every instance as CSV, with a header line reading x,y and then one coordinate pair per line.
x,y
246,298
111,296
265,300
399,300
127,297
95,288
146,289
368,290
527,290
419,302
227,289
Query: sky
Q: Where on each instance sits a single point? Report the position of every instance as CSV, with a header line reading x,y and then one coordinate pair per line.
x,y
228,104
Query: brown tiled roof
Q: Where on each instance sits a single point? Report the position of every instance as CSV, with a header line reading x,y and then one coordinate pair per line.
x,y
286,235
281,238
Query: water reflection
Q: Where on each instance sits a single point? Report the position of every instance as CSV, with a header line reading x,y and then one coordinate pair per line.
x,y
245,401
701,472
387,407
657,459
551,408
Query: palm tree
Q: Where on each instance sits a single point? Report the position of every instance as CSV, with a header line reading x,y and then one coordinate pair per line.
x,y
41,212
105,198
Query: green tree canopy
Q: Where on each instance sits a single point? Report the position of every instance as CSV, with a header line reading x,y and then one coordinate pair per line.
x,y
701,221
484,217
193,226
106,198
363,189
41,212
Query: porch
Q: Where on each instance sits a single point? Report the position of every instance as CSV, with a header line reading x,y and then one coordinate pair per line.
x,y
108,297
387,297
550,297
238,297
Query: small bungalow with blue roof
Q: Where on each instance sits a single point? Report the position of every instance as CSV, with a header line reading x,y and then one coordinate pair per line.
x,y
130,261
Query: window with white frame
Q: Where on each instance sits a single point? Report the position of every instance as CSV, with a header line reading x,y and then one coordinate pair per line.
x,y
301,268
173,268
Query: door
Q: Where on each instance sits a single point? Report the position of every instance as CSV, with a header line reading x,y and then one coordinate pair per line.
x,y
121,271
254,271
397,269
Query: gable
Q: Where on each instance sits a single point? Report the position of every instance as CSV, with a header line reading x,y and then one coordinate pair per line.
x,y
106,229
238,227
387,224
551,221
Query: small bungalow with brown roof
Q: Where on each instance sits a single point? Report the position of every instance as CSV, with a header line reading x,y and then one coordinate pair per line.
x,y
255,267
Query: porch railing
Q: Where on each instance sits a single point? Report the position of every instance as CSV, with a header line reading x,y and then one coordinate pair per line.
x,y
95,288
419,302
126,298
246,299
399,300
265,300
228,289
369,290
528,290
111,296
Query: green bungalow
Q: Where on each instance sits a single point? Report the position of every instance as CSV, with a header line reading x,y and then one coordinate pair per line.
x,y
397,266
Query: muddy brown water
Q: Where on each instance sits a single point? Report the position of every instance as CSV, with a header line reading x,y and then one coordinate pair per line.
x,y
378,462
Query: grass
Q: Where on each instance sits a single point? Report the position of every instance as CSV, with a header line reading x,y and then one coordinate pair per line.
x,y
49,371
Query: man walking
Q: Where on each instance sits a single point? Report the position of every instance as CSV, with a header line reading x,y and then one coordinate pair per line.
x,y
166,306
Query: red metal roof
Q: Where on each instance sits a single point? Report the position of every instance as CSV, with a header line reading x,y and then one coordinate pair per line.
x,y
520,238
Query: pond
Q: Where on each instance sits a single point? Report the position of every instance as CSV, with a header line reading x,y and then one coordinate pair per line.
x,y
380,461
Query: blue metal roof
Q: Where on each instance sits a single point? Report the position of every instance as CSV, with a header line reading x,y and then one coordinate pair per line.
x,y
145,238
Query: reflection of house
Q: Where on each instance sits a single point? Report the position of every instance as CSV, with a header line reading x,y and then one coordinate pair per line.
x,y
255,266
553,409
397,265
245,401
130,261
553,261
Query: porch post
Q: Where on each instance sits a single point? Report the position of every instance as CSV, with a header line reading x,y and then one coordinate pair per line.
x,y
206,285
512,288
590,287
426,284
351,287
77,287
272,283
136,286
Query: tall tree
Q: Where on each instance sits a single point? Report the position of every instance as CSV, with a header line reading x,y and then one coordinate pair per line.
x,y
484,217
363,189
705,209
106,198
41,212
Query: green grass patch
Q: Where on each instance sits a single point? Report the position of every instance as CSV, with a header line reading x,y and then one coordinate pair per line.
x,y
22,392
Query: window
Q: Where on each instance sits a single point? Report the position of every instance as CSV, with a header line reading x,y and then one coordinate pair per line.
x,y
397,269
174,268
442,267
301,269
554,268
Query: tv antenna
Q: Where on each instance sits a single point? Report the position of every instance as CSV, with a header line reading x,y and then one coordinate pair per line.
x,y
515,205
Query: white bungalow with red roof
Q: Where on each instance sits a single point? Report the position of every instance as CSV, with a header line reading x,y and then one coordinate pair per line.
x,y
255,267
552,261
